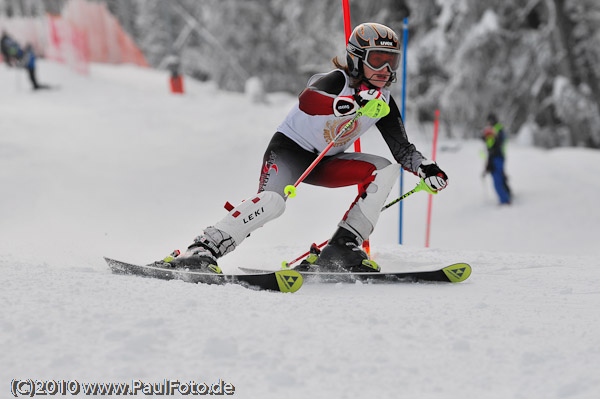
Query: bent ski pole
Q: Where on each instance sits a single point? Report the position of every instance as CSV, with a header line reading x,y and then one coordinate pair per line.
x,y
375,108
421,186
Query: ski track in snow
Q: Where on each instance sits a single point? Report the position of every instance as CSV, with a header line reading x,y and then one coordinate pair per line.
x,y
111,164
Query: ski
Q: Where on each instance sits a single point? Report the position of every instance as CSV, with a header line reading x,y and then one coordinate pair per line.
x,y
282,280
455,273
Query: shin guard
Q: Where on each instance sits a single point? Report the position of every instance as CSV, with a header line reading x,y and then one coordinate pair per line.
x,y
251,214
364,213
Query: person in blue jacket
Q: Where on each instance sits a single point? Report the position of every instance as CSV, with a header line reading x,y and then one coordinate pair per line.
x,y
495,140
29,61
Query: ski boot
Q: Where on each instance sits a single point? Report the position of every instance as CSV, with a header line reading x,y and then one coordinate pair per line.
x,y
308,264
343,253
197,258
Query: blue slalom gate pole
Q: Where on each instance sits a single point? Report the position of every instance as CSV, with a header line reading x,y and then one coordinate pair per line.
x,y
404,45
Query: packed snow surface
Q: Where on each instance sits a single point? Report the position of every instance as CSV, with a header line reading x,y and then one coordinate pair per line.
x,y
112,164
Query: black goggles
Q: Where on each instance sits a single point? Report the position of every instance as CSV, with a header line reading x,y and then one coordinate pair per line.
x,y
378,59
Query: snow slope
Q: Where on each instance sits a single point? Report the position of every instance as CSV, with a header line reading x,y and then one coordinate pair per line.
x,y
112,164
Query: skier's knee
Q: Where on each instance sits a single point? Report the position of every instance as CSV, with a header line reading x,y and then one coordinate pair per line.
x,y
384,180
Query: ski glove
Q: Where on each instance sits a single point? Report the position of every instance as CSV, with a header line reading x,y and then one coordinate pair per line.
x,y
348,105
432,175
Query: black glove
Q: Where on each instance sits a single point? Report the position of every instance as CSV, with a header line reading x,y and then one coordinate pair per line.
x,y
432,175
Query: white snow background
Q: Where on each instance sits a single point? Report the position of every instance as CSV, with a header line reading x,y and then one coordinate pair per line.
x,y
112,164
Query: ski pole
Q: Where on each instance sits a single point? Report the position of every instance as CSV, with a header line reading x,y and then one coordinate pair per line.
x,y
422,186
419,187
286,265
375,108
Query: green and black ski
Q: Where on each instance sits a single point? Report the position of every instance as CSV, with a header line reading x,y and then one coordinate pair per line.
x,y
455,273
282,280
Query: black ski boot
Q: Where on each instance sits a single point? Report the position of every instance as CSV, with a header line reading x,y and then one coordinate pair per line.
x,y
308,264
343,253
197,258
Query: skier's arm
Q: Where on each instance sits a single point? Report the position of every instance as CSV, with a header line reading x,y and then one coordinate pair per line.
x,y
322,97
394,134
318,98
405,153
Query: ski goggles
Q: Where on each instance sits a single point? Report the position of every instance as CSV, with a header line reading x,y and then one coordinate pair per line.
x,y
378,59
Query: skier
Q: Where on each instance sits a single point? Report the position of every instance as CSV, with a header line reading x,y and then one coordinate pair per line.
x,y
29,63
495,139
328,103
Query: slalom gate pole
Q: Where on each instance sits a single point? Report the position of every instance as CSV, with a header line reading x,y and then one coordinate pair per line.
x,y
348,31
347,22
436,125
403,114
420,187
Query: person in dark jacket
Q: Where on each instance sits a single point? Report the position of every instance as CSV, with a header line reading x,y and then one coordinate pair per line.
x,y
29,63
495,140
11,51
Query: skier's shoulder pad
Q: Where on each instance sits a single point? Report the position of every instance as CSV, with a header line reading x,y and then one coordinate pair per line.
x,y
332,82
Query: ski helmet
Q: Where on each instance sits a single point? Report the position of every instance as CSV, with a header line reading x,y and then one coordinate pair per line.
x,y
375,45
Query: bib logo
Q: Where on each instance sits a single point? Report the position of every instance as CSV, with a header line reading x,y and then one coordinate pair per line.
x,y
333,128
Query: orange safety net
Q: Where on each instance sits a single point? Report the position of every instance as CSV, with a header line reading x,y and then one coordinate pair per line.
x,y
106,40
85,32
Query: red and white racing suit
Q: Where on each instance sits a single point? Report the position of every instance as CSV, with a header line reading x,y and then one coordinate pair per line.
x,y
306,131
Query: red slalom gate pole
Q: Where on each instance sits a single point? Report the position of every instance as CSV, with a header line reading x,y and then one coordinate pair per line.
x,y
347,24
436,125
348,31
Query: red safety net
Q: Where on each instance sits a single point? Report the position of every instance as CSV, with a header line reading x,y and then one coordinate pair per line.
x,y
85,32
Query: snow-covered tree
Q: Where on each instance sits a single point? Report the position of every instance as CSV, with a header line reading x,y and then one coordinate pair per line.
x,y
534,62
518,59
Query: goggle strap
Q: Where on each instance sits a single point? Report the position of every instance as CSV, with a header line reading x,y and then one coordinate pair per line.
x,y
359,52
